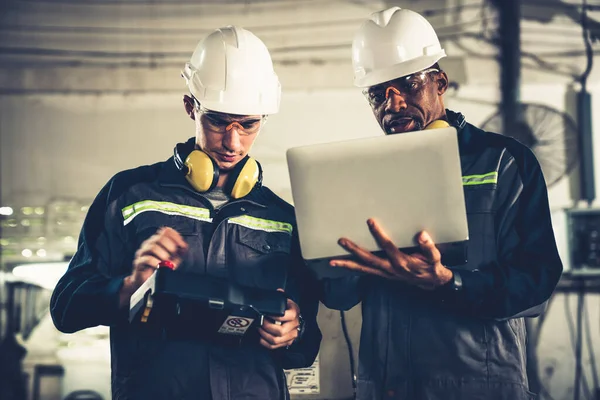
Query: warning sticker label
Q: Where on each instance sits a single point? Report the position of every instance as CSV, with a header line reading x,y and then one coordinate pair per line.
x,y
304,380
234,325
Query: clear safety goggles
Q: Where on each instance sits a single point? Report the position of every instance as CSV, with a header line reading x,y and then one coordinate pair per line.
x,y
407,86
222,123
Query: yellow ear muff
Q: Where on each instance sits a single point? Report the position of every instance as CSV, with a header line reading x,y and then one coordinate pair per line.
x,y
439,123
247,178
202,173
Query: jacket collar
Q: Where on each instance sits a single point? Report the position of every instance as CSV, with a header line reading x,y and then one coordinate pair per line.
x,y
464,129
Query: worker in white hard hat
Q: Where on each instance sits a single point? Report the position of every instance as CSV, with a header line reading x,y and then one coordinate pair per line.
x,y
432,330
210,253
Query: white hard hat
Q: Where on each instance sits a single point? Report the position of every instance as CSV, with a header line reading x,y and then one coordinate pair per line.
x,y
393,43
231,71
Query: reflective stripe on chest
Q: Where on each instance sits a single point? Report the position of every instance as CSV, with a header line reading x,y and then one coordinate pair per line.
x,y
261,224
201,214
164,207
489,178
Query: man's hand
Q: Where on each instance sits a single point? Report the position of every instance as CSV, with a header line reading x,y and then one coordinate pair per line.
x,y
424,269
165,245
281,331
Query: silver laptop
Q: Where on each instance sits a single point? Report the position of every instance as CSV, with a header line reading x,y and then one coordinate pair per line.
x,y
408,182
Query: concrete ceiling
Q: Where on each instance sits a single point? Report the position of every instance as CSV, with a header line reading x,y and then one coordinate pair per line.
x,y
100,46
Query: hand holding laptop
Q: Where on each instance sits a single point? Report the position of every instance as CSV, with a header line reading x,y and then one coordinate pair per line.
x,y
423,269
409,183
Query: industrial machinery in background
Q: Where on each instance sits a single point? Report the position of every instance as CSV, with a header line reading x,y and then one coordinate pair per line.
x,y
558,143
551,135
36,242
583,227
23,305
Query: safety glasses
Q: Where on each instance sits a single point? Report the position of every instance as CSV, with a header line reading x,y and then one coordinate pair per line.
x,y
407,86
222,123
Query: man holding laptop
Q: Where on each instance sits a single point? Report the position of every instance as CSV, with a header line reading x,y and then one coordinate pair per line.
x,y
431,331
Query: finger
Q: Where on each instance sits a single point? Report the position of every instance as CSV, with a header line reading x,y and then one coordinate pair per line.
x,y
143,268
156,241
170,245
270,346
163,246
428,248
270,328
139,277
175,252
364,255
147,261
419,256
386,244
279,330
175,237
156,251
176,261
266,344
354,266
278,340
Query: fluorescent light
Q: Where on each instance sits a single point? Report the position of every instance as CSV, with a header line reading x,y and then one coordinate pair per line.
x,y
45,275
6,211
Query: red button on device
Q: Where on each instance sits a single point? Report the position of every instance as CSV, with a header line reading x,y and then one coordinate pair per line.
x,y
166,264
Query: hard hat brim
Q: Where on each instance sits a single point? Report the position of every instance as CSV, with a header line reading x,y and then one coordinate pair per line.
x,y
398,70
240,109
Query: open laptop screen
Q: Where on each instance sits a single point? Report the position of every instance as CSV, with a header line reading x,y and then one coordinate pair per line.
x,y
408,182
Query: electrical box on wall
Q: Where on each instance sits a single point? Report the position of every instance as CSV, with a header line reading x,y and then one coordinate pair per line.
x,y
583,230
